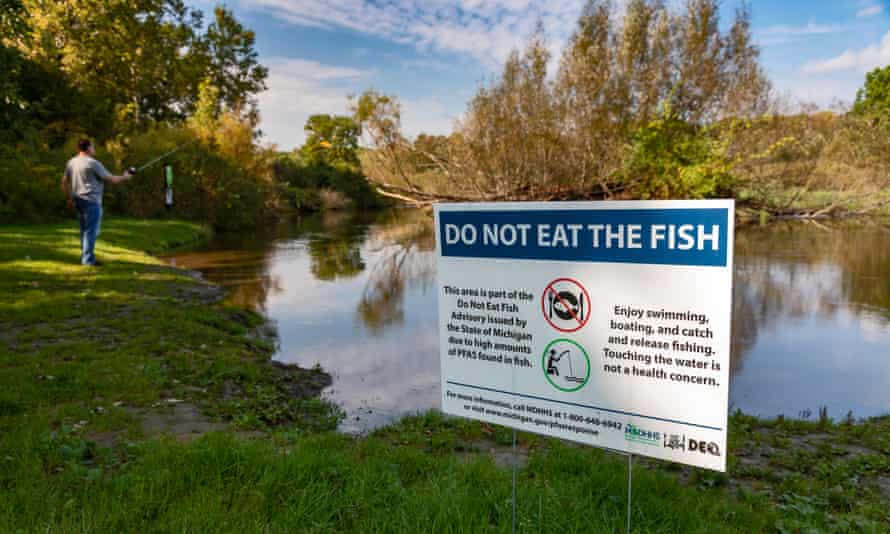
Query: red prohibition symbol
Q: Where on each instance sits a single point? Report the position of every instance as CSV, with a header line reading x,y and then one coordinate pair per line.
x,y
565,304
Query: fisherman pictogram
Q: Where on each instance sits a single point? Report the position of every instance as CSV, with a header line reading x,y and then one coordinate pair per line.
x,y
566,365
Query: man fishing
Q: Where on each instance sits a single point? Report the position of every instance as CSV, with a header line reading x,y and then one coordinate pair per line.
x,y
83,183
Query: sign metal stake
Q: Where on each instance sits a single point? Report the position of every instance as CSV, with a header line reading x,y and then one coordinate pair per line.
x,y
630,459
514,481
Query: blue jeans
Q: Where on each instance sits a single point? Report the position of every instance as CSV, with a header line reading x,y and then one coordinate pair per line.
x,y
89,215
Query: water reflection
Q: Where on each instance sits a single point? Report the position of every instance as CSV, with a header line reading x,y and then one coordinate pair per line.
x,y
354,293
811,319
404,257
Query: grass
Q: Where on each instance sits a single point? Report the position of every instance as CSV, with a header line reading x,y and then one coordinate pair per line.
x,y
89,355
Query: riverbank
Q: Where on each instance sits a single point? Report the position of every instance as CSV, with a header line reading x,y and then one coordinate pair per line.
x,y
132,400
815,205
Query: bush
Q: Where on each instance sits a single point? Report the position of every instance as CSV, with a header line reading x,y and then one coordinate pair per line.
x,y
210,185
670,158
304,184
30,181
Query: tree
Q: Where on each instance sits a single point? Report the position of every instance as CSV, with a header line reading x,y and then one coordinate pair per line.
x,y
143,62
232,61
331,139
127,56
12,26
532,135
874,97
205,119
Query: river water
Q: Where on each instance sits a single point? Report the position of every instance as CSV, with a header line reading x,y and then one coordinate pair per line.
x,y
355,294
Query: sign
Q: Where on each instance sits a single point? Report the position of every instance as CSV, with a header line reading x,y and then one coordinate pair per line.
x,y
168,186
605,323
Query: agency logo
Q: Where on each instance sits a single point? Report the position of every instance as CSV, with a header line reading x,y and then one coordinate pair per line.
x,y
639,435
681,442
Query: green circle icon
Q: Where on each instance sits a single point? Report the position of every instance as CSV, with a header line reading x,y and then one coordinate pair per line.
x,y
562,363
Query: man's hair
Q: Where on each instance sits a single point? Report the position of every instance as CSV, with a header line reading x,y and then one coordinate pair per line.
x,y
84,144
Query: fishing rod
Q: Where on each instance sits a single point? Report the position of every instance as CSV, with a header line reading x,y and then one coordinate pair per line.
x,y
134,170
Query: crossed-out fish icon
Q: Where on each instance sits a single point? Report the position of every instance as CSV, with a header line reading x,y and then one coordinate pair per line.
x,y
566,305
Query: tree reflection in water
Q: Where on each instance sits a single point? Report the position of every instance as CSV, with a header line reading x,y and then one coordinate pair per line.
x,y
403,247
336,252
789,271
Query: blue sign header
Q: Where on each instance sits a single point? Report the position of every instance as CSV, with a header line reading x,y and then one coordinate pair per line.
x,y
656,236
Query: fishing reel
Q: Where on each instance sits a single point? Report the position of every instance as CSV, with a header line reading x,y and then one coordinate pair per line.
x,y
132,171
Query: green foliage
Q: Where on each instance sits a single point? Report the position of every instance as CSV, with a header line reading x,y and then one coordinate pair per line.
x,y
142,61
670,158
11,112
331,140
232,62
874,97
29,180
301,183
215,181
220,182
205,119
140,78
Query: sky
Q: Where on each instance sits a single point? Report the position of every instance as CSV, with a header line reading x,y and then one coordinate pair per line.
x,y
434,54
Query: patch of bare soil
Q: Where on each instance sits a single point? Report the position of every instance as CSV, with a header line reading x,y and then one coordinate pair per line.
x,y
202,292
182,421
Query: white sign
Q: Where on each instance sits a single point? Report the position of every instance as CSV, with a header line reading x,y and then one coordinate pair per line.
x,y
606,323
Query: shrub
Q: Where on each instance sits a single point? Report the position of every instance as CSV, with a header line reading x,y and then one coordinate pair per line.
x,y
670,158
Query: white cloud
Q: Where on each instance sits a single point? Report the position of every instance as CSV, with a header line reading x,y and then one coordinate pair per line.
x,y
427,116
810,28
782,34
313,70
484,29
869,11
299,88
861,60
824,91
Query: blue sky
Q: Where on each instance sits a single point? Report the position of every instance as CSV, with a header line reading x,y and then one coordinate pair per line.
x,y
433,54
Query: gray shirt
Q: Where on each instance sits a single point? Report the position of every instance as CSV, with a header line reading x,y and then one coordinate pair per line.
x,y
87,178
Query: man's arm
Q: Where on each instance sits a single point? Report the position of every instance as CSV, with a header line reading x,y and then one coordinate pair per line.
x,y
118,179
113,178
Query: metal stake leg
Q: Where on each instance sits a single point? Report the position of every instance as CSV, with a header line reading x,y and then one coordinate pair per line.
x,y
514,481
630,459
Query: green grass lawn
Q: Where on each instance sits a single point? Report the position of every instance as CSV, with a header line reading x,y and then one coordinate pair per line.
x,y
90,357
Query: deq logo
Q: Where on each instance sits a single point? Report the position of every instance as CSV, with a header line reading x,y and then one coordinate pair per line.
x,y
681,442
639,435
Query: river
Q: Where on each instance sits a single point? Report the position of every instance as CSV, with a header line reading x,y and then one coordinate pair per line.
x,y
355,294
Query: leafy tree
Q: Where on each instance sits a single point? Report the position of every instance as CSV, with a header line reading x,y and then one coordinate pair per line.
x,y
874,97
11,106
143,62
331,139
232,60
127,56
205,119
530,134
